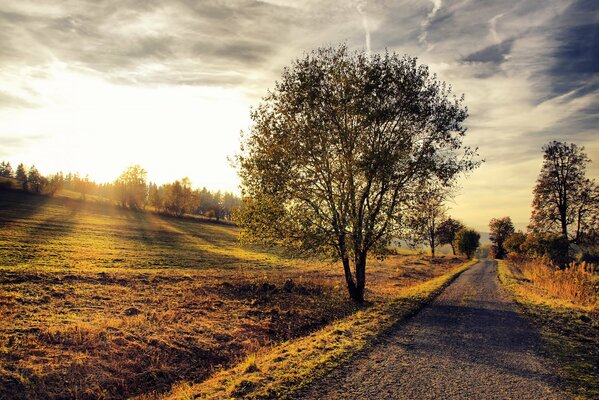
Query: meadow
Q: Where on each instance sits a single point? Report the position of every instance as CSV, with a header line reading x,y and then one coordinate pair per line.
x,y
102,302
563,304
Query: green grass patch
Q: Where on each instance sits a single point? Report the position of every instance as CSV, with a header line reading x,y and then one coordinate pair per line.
x,y
570,332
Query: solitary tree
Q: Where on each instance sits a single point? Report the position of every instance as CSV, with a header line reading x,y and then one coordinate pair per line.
x,y
427,212
467,241
565,201
501,229
447,231
336,150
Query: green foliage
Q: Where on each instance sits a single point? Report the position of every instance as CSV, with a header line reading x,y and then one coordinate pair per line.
x,y
467,241
338,148
500,230
447,231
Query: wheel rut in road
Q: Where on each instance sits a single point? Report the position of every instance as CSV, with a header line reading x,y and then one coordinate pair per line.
x,y
469,343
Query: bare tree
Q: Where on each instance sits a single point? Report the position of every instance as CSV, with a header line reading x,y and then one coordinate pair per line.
x,y
427,211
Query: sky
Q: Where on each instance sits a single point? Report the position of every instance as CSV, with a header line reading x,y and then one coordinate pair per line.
x,y
96,85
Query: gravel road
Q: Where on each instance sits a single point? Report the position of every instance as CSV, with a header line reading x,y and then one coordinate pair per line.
x,y
469,343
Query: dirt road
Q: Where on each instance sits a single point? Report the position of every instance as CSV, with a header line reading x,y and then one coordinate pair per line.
x,y
468,344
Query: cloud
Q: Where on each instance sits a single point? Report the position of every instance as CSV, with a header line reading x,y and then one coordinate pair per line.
x,y
529,70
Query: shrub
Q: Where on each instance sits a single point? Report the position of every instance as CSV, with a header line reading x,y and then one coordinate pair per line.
x,y
553,247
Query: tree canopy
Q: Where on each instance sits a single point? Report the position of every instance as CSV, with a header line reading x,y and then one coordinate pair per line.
x,y
500,230
336,152
467,241
565,200
447,231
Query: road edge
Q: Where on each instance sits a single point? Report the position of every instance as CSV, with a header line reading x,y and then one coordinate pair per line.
x,y
290,367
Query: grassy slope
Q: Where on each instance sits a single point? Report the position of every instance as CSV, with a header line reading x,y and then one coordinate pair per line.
x,y
96,301
570,332
287,368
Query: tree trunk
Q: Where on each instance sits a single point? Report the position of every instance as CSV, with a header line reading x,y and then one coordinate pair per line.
x,y
354,293
453,248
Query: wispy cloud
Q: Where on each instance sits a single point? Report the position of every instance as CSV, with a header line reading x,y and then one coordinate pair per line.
x,y
529,70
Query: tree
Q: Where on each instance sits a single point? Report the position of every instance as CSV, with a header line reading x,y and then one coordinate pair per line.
x,y
427,212
131,187
501,229
155,196
467,241
35,180
179,197
21,176
446,232
5,170
81,185
54,183
565,201
337,149
515,242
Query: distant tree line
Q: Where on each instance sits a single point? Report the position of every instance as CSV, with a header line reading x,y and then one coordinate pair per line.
x,y
131,190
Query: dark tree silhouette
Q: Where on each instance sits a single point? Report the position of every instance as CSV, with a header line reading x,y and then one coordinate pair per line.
x,y
338,147
21,176
447,231
500,230
467,241
565,200
6,170
35,181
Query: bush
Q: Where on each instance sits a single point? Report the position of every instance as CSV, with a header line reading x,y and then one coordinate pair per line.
x,y
553,247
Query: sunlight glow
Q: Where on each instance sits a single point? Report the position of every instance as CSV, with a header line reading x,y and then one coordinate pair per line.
x,y
95,127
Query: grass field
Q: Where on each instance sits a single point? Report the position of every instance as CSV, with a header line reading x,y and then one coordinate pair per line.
x,y
566,313
100,302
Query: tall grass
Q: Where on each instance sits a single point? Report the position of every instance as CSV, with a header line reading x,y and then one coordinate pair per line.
x,y
577,283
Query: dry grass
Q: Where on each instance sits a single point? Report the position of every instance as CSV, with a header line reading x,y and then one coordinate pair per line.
x,y
577,284
98,302
290,366
564,307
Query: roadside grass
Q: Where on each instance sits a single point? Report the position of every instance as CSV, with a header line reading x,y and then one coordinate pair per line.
x,y
100,302
564,306
287,368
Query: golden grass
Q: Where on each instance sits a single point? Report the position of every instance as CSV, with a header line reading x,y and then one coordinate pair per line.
x,y
577,284
288,367
563,306
99,302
